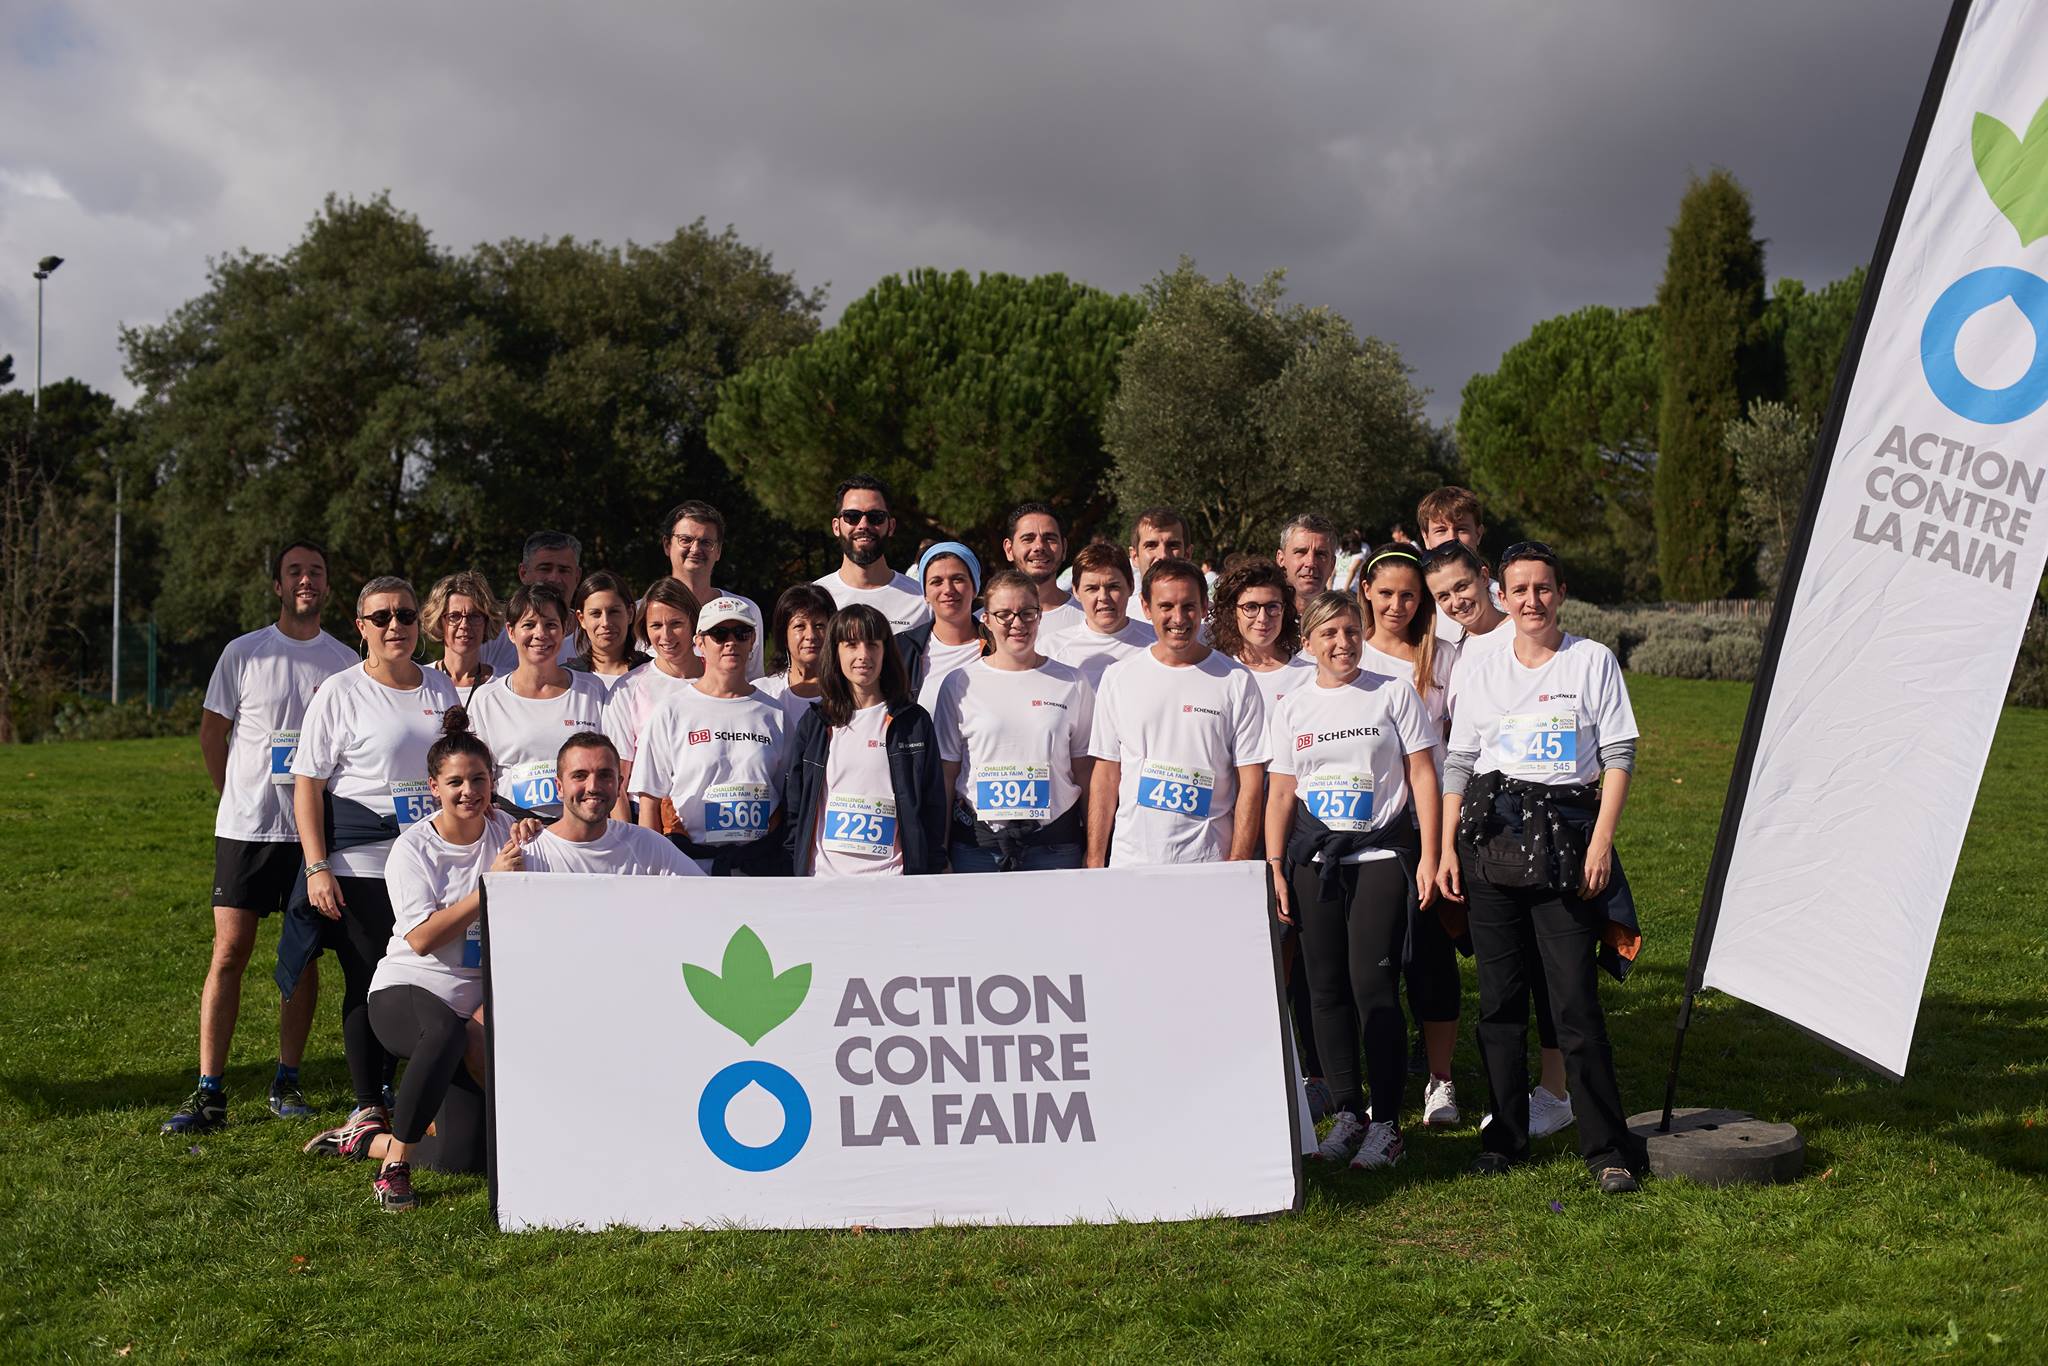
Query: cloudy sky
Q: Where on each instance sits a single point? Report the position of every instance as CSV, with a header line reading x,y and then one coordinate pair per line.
x,y
1445,174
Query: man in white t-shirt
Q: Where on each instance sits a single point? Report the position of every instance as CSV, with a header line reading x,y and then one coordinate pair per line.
x,y
585,839
247,733
1452,514
1180,742
553,557
1308,552
1036,547
693,536
1107,633
862,524
1157,534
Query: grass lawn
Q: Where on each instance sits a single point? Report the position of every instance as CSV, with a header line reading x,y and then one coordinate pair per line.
x,y
1921,1228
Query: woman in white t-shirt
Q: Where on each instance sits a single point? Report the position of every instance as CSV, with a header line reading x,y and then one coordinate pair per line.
x,y
1254,622
668,623
525,715
866,793
462,615
1351,799
427,998
717,753
359,781
951,577
601,615
1541,752
1013,734
798,630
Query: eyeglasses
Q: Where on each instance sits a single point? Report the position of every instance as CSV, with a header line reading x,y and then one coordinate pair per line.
x,y
855,516
464,618
381,618
1027,615
1260,609
692,542
723,633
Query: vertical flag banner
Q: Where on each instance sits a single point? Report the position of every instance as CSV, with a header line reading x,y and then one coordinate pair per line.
x,y
1906,596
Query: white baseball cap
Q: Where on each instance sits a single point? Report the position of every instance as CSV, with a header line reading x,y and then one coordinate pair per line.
x,y
726,609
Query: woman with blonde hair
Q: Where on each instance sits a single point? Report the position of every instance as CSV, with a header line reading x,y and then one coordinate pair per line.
x,y
462,615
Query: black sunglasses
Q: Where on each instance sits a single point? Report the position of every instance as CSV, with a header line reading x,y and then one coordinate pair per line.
x,y
1528,550
855,516
383,615
723,632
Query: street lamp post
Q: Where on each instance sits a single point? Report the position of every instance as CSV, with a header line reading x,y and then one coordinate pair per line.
x,y
44,268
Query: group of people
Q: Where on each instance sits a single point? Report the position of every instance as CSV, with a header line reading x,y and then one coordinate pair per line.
x,y
1428,764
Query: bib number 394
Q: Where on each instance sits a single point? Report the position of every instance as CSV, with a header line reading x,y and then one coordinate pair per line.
x,y
1538,744
1013,792
861,826
1181,791
1342,801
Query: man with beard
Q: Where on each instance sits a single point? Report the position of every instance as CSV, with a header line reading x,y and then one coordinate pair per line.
x,y
553,557
862,525
1308,552
1036,546
584,839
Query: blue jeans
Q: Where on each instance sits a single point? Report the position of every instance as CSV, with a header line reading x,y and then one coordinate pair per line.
x,y
972,858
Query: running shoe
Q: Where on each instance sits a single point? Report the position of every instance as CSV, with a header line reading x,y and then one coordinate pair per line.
x,y
394,1187
1321,1104
1440,1104
1382,1147
1343,1138
287,1101
203,1111
1618,1181
1548,1113
351,1140
1491,1164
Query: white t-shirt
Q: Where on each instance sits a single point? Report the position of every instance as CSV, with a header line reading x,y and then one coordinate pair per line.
x,y
776,688
262,686
1436,703
1092,652
900,599
1180,735
526,733
370,743
857,834
1447,629
1546,724
720,760
1068,616
503,656
1471,649
941,661
622,848
1347,748
1340,572
632,702
1015,734
427,873
755,666
1275,684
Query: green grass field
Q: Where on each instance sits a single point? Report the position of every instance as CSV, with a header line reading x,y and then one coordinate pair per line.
x,y
1920,1230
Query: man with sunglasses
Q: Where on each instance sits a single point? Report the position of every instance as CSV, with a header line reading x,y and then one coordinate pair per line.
x,y
694,540
863,525
254,706
553,557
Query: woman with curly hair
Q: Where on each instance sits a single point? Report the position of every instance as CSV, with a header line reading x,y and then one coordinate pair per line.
x,y
1253,621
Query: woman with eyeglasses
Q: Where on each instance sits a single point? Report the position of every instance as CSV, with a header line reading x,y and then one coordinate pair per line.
x,y
866,794
525,715
1013,733
716,754
801,615
951,577
1253,620
462,615
1541,751
602,613
359,782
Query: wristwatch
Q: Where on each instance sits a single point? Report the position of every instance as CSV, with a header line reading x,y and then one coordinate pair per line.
x,y
317,866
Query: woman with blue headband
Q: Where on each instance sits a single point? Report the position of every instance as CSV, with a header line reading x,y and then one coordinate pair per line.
x,y
950,576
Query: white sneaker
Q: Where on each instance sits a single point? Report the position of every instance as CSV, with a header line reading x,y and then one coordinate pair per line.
x,y
1548,1113
1382,1147
1342,1140
1440,1104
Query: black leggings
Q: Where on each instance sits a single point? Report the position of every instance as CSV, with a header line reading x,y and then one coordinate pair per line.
x,y
437,1088
359,940
1434,987
1352,954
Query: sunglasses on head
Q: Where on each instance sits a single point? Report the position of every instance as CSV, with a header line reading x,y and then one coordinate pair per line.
x,y
381,618
855,516
1528,550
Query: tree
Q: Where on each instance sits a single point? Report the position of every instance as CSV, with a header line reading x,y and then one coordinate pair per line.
x,y
1562,438
6,370
1810,329
966,395
1773,452
1241,411
1715,359
49,552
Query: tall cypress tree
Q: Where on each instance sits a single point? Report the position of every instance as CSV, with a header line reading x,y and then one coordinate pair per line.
x,y
1715,359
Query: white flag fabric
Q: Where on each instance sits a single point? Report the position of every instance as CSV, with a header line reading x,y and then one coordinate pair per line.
x,y
1920,568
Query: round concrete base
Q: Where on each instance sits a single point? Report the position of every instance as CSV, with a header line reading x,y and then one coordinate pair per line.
x,y
1721,1147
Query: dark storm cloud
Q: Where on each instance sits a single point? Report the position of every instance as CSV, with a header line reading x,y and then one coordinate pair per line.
x,y
1443,175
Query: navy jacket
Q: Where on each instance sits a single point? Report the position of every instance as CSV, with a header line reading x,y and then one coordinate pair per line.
x,y
918,780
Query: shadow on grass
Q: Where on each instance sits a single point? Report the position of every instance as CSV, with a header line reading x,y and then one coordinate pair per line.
x,y
248,1087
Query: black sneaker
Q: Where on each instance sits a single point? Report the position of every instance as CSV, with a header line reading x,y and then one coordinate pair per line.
x,y
203,1111
1491,1164
394,1187
287,1101
1618,1181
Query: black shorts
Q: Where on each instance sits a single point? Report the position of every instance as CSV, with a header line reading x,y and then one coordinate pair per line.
x,y
253,876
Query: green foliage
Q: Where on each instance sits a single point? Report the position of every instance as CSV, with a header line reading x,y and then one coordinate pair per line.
x,y
1810,329
1773,450
7,369
965,395
1715,359
85,718
1562,440
1240,412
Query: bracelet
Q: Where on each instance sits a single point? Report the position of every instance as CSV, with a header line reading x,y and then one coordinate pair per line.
x,y
317,866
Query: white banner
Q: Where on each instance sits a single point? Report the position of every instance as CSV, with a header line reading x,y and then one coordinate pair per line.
x,y
1030,1048
1924,552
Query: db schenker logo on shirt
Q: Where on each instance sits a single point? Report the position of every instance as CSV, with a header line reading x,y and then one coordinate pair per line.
x,y
700,737
1304,741
750,998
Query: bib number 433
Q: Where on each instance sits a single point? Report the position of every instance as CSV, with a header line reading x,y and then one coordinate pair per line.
x,y
1181,791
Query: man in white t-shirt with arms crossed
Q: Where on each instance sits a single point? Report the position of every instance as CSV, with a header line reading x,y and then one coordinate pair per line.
x,y
247,732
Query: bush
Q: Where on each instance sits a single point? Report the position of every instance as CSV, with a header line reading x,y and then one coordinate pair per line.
x,y
1734,655
2029,686
1673,657
88,718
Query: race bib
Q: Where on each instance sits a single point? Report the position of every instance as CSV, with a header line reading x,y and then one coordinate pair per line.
x,y
862,826
1013,792
1538,744
410,801
735,812
532,785
284,744
1342,801
473,945
1182,791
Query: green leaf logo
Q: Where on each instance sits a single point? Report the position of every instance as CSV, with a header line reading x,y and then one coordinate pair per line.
x,y
748,998
2015,171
